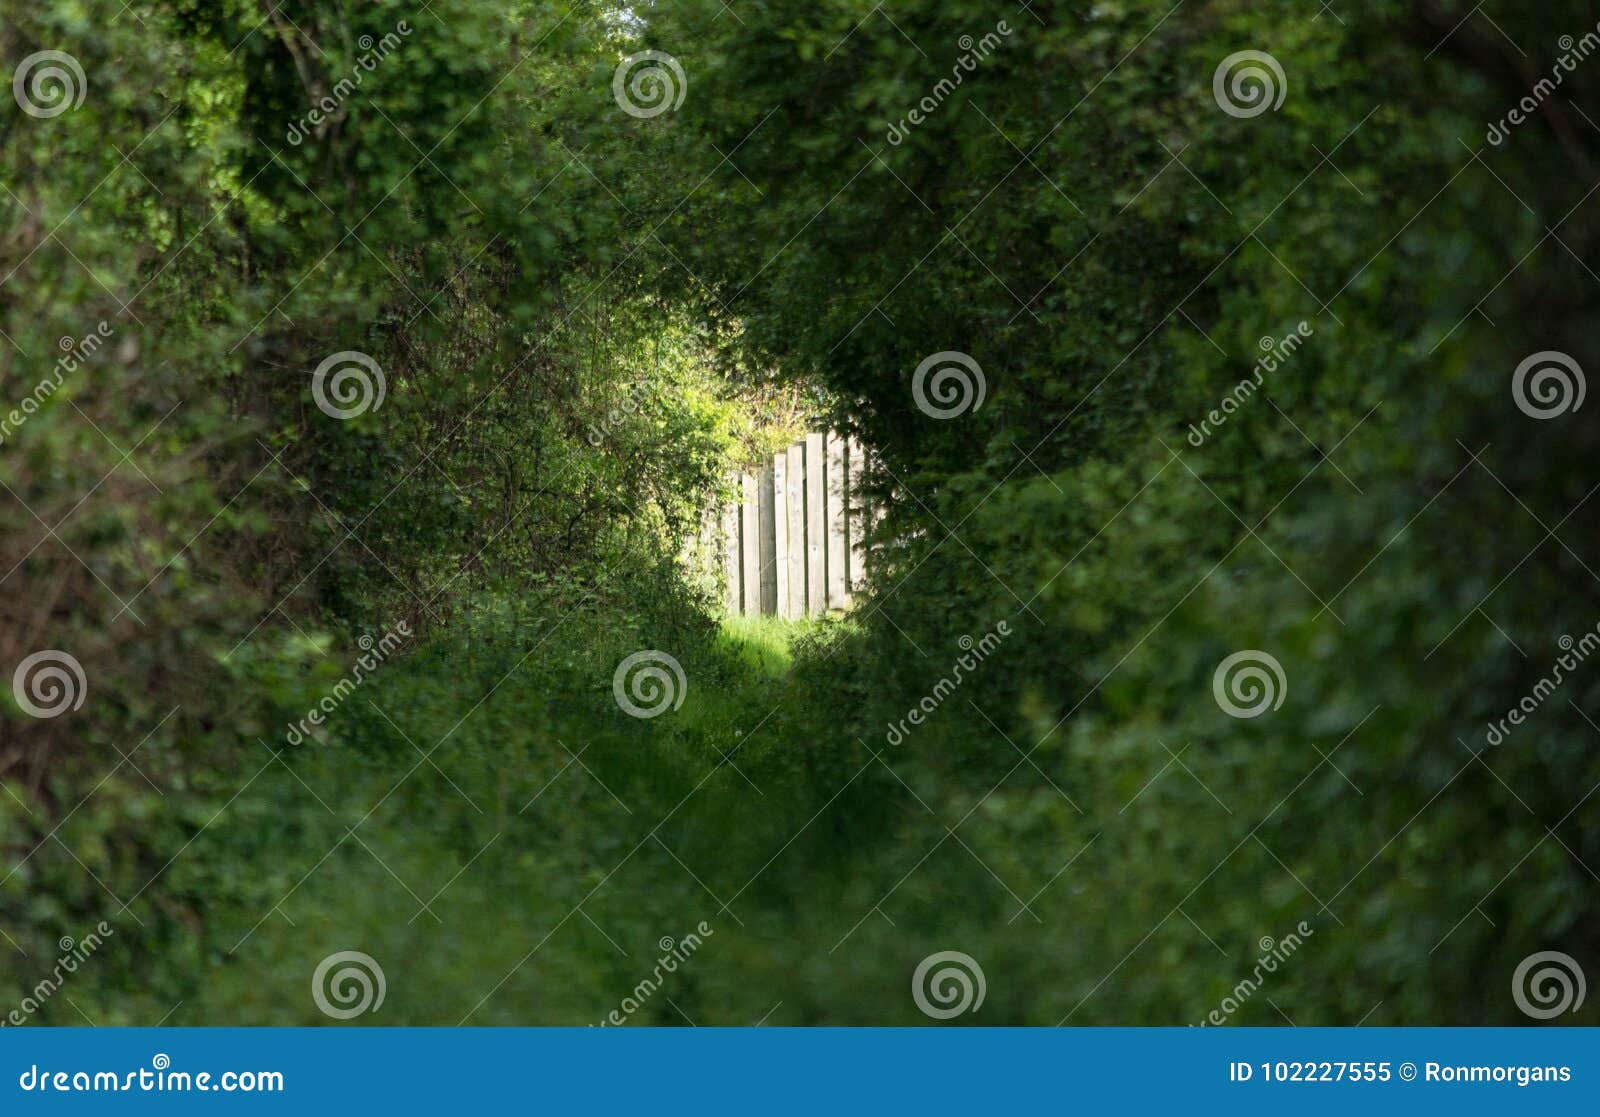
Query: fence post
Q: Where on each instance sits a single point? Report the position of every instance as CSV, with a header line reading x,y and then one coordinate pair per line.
x,y
816,528
769,550
838,539
749,548
858,516
728,550
795,460
780,533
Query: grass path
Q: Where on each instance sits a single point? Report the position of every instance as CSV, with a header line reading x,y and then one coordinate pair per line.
x,y
504,840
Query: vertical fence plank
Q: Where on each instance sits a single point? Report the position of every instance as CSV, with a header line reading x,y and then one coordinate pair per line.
x,y
769,551
749,548
816,528
838,540
780,534
794,460
730,557
857,512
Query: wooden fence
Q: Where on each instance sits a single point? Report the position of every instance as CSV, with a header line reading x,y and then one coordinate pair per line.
x,y
793,545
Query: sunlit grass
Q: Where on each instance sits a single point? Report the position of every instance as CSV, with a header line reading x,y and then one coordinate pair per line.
x,y
764,643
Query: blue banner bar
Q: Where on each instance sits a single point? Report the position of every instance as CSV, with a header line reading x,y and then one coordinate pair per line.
x,y
711,1071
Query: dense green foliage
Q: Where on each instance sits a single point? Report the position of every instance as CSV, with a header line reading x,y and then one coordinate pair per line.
x,y
575,308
